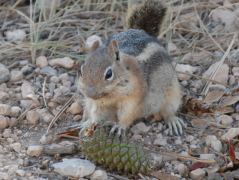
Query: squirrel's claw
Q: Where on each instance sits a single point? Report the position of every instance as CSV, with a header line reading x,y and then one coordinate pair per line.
x,y
118,129
175,125
85,125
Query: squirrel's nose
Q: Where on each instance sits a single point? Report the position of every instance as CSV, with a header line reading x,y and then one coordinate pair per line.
x,y
92,92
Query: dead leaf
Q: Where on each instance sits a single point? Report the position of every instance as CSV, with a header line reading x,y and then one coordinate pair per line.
x,y
197,165
231,151
228,100
221,75
199,123
213,96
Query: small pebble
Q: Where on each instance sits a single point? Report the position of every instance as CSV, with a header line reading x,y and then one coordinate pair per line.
x,y
16,75
182,170
75,108
65,62
3,122
32,117
34,150
197,174
20,172
15,111
225,120
41,61
140,128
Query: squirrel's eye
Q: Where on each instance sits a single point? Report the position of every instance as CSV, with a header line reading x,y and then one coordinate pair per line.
x,y
109,74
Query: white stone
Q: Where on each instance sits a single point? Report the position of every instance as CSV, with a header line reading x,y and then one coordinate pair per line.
x,y
20,172
75,108
182,170
65,62
74,167
16,75
16,35
15,111
32,117
207,156
212,141
41,61
27,90
197,174
5,109
35,150
99,175
16,147
225,120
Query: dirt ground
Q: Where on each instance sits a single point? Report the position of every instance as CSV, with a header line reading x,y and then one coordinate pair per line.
x,y
40,43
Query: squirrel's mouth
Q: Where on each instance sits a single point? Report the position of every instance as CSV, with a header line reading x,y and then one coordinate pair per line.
x,y
99,96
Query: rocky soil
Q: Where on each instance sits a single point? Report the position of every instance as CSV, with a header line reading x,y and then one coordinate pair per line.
x,y
41,96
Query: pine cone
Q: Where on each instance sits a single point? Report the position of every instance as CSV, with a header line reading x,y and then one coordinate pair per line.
x,y
115,153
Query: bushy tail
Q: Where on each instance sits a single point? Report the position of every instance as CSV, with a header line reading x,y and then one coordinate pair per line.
x,y
148,16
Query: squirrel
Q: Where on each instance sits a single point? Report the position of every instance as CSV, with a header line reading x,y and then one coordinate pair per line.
x,y
131,76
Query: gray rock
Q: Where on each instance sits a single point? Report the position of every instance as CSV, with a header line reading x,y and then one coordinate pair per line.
x,y
15,111
74,167
4,73
140,128
160,140
16,75
32,117
49,71
26,70
3,96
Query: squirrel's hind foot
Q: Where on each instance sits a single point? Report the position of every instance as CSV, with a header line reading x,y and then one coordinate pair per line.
x,y
175,125
120,131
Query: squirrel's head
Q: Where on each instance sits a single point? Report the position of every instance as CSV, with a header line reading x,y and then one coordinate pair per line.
x,y
104,72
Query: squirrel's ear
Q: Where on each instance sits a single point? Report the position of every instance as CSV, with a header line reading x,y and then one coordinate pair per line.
x,y
113,49
84,48
95,45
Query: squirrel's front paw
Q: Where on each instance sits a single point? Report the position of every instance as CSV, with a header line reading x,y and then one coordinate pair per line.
x,y
118,129
85,125
175,125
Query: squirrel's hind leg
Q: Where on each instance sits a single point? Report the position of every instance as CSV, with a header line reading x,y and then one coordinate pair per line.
x,y
169,108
